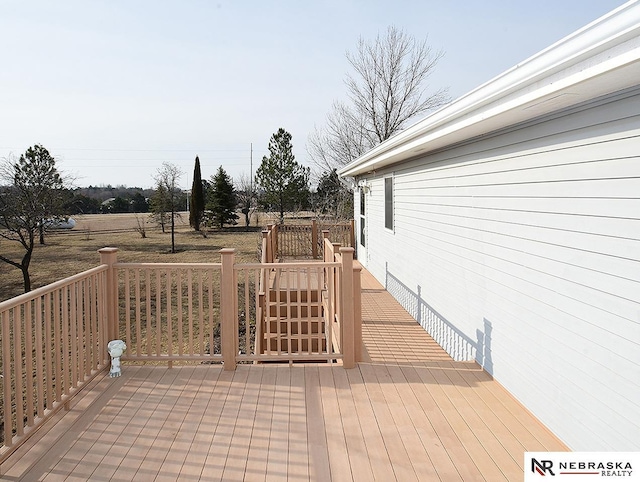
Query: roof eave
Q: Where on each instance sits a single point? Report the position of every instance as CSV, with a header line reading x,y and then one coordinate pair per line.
x,y
601,58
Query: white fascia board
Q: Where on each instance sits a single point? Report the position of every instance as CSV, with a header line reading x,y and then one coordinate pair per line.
x,y
600,48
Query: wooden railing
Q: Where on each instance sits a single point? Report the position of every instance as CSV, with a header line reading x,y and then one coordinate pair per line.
x,y
305,240
343,302
169,311
53,342
54,339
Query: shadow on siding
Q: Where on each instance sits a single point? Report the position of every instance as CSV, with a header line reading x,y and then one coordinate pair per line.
x,y
456,343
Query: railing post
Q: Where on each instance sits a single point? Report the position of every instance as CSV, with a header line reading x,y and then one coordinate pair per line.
x,y
314,239
357,310
228,315
325,235
346,310
353,234
274,240
265,247
109,256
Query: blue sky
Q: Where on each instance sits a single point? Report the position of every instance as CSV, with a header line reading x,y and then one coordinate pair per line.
x,y
113,88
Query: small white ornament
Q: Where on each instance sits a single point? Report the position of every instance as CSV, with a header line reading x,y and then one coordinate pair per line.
x,y
115,348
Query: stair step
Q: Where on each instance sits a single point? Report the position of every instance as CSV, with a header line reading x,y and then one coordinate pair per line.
x,y
284,311
293,327
297,346
293,296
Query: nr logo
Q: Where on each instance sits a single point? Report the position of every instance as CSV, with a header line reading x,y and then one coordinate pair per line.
x,y
542,467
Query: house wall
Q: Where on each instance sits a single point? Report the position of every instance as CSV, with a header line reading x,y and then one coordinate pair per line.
x,y
522,250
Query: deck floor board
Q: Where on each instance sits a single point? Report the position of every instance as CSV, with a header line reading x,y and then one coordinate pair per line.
x,y
408,412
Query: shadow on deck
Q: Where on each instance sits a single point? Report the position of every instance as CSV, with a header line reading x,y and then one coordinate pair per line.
x,y
408,412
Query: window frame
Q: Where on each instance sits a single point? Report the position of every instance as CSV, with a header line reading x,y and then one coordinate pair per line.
x,y
362,217
389,204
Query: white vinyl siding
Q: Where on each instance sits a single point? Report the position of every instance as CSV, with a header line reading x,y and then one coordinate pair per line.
x,y
522,250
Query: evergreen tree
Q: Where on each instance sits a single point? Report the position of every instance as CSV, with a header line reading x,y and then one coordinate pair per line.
x,y
332,197
159,205
31,194
284,182
139,204
221,207
196,207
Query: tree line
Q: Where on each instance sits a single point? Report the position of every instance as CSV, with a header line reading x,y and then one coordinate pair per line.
x,y
385,92
35,196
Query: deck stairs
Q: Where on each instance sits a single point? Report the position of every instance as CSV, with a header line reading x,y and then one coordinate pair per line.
x,y
292,318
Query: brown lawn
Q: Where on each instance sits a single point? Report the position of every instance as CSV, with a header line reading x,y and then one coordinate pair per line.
x,y
69,252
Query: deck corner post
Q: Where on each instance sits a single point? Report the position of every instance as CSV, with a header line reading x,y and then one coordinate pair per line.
x,y
357,310
109,256
346,311
228,294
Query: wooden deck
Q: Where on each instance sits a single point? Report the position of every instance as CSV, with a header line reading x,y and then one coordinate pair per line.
x,y
409,412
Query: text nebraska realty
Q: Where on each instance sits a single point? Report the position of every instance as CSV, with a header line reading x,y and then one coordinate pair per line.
x,y
605,469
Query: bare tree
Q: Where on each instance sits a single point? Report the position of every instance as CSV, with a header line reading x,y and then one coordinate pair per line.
x,y
246,196
386,90
167,179
141,226
343,138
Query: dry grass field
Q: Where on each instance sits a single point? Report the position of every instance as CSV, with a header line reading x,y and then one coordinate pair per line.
x,y
68,252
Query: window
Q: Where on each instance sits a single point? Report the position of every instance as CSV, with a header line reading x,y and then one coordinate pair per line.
x,y
388,203
362,218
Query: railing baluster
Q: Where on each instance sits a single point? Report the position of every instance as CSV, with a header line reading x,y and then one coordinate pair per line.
x,y
158,311
149,333
190,308
169,296
212,321
138,314
247,313
39,355
78,338
17,365
73,328
86,324
7,394
93,315
65,340
127,303
257,273
57,342
28,359
201,326
48,347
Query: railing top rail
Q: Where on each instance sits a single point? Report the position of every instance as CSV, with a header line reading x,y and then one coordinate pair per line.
x,y
316,264
167,265
31,295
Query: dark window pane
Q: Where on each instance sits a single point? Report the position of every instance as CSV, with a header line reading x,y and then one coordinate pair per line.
x,y
388,203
